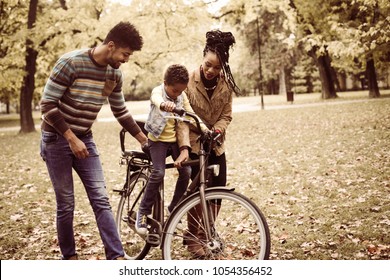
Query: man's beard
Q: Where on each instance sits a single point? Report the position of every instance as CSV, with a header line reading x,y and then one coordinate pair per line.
x,y
115,65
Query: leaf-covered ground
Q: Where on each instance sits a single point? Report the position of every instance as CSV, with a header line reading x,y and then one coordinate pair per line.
x,y
320,174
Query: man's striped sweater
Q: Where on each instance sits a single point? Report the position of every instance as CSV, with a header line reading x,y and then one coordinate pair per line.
x,y
77,89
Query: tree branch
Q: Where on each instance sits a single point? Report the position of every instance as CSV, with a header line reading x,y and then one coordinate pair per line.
x,y
223,15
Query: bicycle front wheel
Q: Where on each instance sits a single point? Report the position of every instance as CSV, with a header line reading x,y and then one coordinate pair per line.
x,y
239,230
134,245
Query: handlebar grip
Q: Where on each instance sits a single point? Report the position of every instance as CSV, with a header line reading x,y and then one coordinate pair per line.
x,y
179,111
217,140
122,139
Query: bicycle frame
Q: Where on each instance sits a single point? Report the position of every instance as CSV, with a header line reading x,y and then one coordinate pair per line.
x,y
200,181
143,165
167,234
139,163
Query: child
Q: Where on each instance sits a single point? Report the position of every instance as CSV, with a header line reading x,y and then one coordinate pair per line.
x,y
166,137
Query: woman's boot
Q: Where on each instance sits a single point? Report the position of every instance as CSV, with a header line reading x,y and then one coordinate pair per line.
x,y
191,236
214,210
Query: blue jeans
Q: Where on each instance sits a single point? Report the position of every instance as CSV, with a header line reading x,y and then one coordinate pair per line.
x,y
159,152
60,161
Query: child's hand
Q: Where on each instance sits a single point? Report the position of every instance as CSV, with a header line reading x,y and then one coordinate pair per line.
x,y
168,106
181,158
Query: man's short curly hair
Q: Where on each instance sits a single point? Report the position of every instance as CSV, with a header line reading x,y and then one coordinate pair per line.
x,y
124,35
176,74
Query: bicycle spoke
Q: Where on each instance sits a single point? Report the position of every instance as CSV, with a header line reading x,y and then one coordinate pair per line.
x,y
239,231
133,244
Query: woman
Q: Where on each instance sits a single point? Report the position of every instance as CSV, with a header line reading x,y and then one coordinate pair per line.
x,y
210,92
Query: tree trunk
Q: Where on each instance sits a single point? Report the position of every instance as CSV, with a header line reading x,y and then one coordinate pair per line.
x,y
362,80
28,87
309,83
271,87
373,89
335,79
355,82
343,81
325,69
282,82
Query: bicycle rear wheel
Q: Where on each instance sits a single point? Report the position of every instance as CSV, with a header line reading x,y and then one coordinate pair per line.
x,y
239,232
134,245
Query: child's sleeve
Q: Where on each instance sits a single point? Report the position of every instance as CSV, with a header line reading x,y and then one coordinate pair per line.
x,y
156,97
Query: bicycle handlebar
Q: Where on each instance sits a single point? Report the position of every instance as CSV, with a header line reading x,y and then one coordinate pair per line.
x,y
122,139
181,113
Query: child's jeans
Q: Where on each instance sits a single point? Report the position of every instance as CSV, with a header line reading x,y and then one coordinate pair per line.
x,y
159,152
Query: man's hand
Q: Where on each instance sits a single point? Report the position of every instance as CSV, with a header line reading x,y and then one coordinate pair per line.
x,y
145,148
142,139
77,146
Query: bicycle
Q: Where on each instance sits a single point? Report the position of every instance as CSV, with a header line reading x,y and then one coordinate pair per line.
x,y
234,229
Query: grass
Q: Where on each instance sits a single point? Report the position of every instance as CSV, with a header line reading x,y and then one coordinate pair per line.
x,y
13,119
320,174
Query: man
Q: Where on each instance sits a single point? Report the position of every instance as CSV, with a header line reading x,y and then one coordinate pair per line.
x,y
78,85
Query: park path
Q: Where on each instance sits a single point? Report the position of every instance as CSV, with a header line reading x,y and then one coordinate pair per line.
x,y
139,109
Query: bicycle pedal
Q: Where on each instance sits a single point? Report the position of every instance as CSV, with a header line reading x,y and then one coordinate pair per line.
x,y
153,239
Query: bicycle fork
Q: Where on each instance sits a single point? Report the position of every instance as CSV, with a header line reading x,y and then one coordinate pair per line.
x,y
202,187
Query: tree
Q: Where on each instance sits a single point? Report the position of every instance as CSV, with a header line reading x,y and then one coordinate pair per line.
x,y
312,33
12,21
305,76
373,89
46,22
28,87
173,32
30,49
365,30
274,39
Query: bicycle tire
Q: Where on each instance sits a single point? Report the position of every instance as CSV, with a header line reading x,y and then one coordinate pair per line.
x,y
240,230
134,245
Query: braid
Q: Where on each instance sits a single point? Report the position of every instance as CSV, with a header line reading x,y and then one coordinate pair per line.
x,y
219,42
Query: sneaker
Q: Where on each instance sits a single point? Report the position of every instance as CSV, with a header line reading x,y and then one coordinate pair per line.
x,y
141,224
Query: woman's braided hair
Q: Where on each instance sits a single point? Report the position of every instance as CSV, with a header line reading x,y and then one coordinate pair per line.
x,y
220,42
